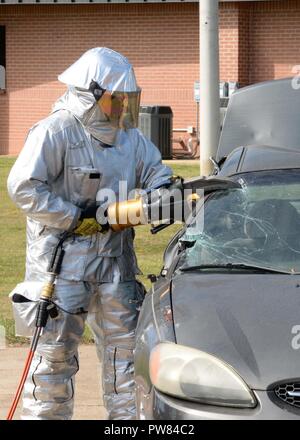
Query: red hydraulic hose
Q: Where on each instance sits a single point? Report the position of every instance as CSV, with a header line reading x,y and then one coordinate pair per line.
x,y
25,373
43,311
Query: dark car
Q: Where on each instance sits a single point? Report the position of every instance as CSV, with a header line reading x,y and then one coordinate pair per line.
x,y
219,332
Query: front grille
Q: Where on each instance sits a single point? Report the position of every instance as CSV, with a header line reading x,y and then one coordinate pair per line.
x,y
289,393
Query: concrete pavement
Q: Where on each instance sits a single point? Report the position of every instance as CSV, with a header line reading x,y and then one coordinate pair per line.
x,y
88,396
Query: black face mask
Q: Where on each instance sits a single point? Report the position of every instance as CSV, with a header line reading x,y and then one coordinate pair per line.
x,y
96,90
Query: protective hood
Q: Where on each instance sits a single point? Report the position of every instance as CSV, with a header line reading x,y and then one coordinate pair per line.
x,y
82,104
104,77
109,69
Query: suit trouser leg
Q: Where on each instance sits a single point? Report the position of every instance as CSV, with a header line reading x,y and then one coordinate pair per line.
x,y
114,325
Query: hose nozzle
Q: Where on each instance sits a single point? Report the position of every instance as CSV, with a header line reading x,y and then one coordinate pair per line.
x,y
126,214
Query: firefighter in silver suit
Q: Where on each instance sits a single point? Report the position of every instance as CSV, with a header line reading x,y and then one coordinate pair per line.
x,y
87,144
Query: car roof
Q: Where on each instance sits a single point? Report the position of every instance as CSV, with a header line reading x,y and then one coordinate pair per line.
x,y
259,158
267,113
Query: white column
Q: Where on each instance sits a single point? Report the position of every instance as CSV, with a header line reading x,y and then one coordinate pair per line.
x,y
209,83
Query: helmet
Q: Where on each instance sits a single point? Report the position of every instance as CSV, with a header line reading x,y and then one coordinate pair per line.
x,y
111,79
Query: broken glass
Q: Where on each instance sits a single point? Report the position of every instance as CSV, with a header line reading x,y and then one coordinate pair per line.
x,y
257,225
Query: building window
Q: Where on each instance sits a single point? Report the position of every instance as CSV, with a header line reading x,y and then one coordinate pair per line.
x,y
2,58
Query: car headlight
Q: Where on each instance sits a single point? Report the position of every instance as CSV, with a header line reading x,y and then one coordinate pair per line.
x,y
192,374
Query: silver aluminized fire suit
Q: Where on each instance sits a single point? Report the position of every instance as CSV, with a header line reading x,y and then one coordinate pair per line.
x,y
67,158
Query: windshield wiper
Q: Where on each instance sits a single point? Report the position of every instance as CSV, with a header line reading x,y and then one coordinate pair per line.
x,y
233,266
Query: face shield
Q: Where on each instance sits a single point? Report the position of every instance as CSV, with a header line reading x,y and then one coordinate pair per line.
x,y
111,79
121,108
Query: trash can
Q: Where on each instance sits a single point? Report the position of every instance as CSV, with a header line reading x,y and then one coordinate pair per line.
x,y
156,123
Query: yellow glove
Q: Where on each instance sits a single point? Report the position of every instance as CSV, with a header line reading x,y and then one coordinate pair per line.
x,y
88,226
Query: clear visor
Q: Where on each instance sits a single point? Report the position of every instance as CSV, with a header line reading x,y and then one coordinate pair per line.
x,y
121,108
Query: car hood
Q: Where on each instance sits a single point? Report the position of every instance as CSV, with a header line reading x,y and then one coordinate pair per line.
x,y
262,114
250,321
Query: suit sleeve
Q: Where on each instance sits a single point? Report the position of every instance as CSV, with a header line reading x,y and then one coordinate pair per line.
x,y
39,164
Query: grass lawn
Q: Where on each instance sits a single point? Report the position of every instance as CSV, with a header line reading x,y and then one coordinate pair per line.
x,y
149,248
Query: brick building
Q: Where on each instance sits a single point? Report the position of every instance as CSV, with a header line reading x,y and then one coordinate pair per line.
x,y
259,40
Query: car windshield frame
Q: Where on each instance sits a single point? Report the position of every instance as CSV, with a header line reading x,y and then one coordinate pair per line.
x,y
266,210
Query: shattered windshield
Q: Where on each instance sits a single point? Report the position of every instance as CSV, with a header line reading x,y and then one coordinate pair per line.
x,y
255,226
